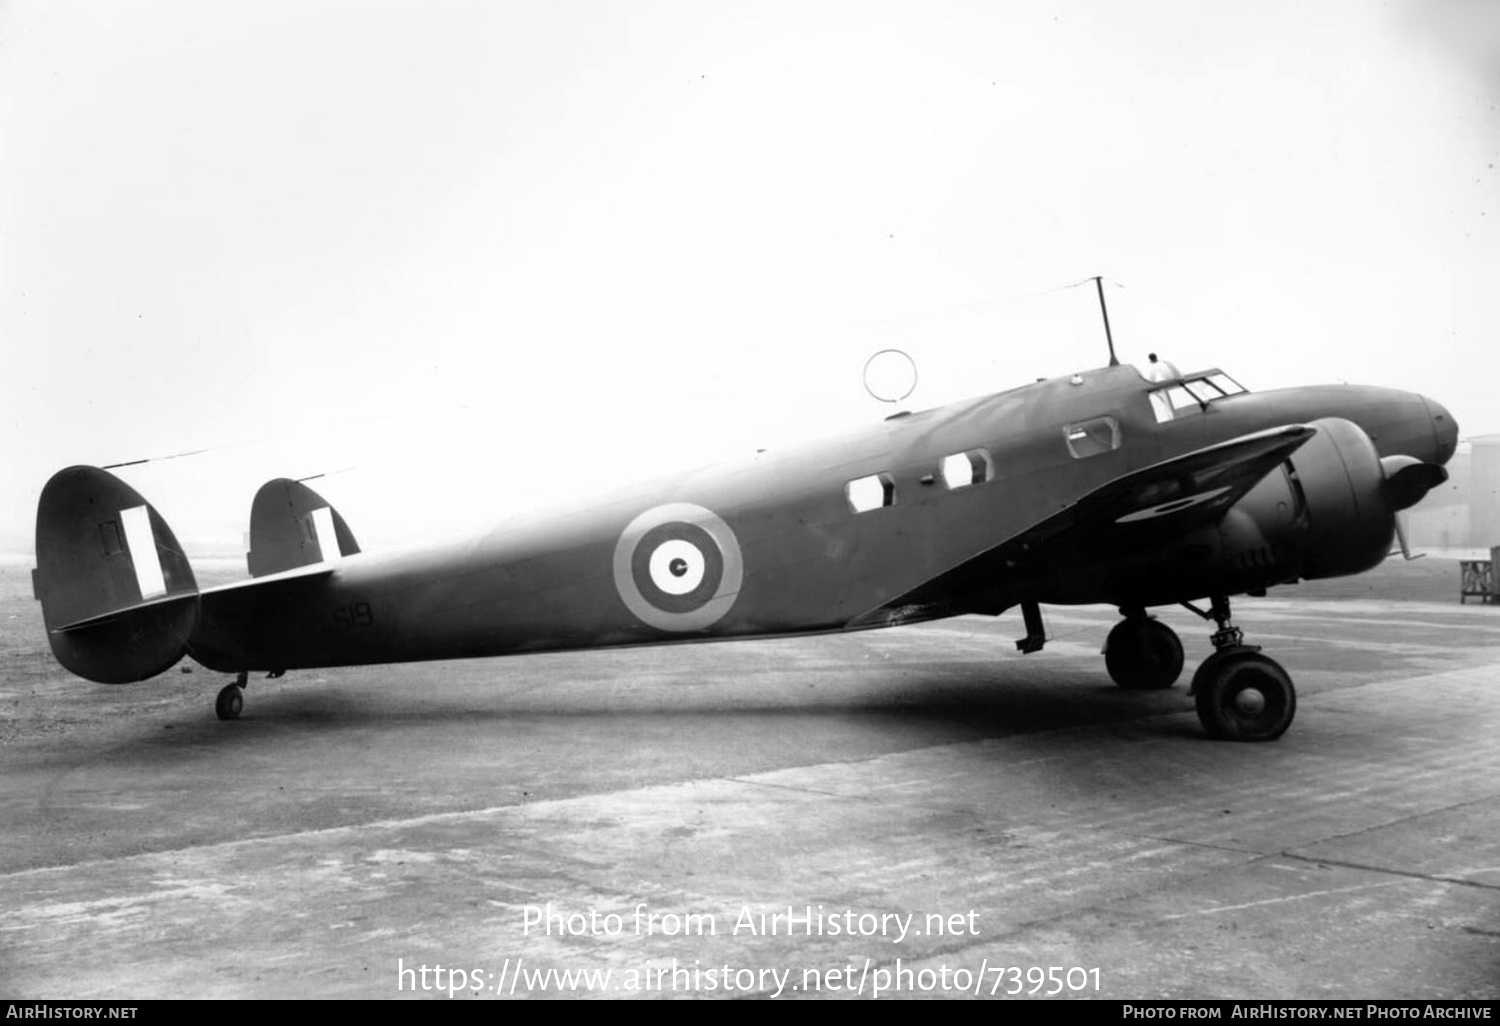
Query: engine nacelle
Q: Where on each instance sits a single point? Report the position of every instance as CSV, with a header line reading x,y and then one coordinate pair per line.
x,y
1328,511
1325,512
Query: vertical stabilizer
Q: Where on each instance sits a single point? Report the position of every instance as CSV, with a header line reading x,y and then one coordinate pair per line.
x,y
293,526
117,594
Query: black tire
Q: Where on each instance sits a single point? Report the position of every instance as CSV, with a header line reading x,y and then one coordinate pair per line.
x,y
229,703
1244,696
1142,654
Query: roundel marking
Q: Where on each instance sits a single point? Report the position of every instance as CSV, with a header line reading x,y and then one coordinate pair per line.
x,y
678,567
1175,505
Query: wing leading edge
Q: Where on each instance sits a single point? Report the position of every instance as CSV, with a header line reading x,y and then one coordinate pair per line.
x,y
1138,509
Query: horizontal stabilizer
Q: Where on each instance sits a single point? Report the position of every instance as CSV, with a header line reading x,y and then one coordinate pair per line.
x,y
125,614
117,594
238,623
293,526
266,580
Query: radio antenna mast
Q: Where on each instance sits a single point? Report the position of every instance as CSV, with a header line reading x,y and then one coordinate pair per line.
x,y
1099,286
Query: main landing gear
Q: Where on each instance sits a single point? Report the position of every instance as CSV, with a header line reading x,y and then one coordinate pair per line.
x,y
1142,653
1241,695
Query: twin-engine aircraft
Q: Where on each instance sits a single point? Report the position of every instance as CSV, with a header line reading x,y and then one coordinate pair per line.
x,y
1101,487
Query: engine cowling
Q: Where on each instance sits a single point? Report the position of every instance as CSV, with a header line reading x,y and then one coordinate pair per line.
x,y
1327,511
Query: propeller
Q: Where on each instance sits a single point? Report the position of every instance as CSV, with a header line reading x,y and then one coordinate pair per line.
x,y
1407,481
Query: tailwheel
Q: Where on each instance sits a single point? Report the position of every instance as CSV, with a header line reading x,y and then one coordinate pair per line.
x,y
229,703
1142,654
1244,696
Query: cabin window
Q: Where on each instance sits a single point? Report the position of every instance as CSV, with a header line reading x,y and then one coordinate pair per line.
x,y
967,468
1092,437
873,492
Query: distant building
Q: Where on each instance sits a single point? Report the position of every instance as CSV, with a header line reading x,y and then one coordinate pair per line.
x,y
1463,513
1484,492
1441,520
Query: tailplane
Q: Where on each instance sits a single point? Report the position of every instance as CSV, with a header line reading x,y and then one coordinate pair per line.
x,y
118,597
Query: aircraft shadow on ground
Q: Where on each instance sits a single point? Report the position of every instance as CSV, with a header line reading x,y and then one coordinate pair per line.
x,y
958,700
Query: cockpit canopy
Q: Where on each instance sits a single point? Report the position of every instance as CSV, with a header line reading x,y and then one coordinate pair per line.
x,y
1191,393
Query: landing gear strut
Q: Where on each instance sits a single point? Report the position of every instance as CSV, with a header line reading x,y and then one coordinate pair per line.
x,y
232,698
1036,633
1241,695
1142,653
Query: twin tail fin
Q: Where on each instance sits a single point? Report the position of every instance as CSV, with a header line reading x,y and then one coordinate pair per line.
x,y
119,599
292,526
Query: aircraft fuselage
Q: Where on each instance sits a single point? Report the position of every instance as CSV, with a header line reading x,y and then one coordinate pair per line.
x,y
776,546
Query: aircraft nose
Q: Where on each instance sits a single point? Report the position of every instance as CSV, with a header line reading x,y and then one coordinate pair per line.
x,y
1444,430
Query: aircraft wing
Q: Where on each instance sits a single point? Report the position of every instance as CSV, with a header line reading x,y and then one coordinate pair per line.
x,y
1137,510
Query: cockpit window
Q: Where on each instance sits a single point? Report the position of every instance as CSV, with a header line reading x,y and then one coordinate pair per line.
x,y
1192,395
1224,383
1185,398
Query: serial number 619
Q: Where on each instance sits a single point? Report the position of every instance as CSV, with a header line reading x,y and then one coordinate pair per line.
x,y
353,617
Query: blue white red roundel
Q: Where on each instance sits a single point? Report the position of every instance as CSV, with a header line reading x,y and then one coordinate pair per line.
x,y
678,567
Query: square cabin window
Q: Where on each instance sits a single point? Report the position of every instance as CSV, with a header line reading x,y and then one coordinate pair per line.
x,y
967,468
873,492
1092,437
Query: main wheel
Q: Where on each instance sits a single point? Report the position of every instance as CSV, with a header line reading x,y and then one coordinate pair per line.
x,y
229,703
1244,696
1143,654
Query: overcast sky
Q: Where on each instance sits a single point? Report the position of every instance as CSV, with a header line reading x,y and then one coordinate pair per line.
x,y
479,256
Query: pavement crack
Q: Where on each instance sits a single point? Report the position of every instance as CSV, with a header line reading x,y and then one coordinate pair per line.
x,y
1408,874
1232,848
1415,815
1281,899
809,790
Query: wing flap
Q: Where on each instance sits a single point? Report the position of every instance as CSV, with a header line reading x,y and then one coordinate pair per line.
x,y
1137,509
